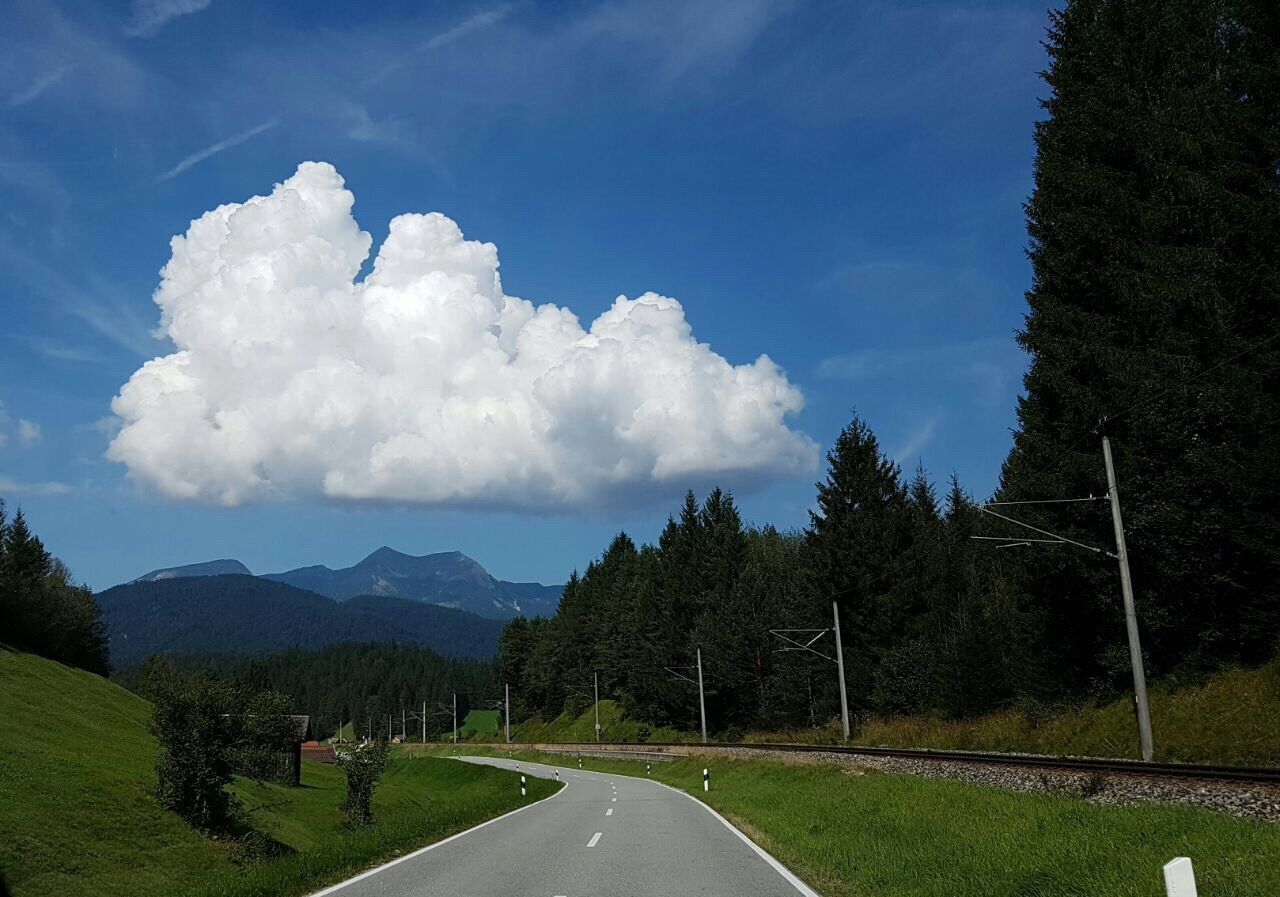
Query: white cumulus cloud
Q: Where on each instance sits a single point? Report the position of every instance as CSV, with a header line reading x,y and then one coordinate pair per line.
x,y
424,382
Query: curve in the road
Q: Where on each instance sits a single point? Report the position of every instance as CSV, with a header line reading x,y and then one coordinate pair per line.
x,y
601,835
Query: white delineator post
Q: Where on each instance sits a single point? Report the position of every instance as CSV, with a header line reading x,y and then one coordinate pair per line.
x,y
706,779
523,791
596,682
1179,878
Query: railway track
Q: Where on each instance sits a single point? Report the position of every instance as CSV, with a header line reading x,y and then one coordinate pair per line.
x,y
1243,774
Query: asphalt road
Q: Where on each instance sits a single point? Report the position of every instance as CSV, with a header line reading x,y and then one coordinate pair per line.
x,y
601,835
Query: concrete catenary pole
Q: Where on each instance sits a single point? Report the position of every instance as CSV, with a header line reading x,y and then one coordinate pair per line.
x,y
455,717
844,695
596,679
702,704
507,689
424,722
1130,612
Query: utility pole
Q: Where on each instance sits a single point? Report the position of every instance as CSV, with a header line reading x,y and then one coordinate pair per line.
x,y
844,696
404,735
702,704
1130,612
424,722
455,717
595,677
804,640
506,687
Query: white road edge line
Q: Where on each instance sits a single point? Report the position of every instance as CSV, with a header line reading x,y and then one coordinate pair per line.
x,y
763,854
421,850
594,839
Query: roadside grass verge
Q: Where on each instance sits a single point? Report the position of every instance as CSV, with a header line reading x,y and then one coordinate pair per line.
x,y
78,817
421,800
851,835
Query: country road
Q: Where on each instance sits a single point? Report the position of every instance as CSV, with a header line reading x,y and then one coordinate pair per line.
x,y
602,835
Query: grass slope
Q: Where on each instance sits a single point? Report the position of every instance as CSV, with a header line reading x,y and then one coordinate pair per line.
x,y
614,726
1233,718
78,817
480,722
853,835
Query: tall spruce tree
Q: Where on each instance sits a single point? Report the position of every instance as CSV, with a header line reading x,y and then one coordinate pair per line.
x,y
1155,247
856,537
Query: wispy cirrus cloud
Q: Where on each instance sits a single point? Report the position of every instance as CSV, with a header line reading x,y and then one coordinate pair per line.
x,y
149,16
59,351
916,441
41,83
220,146
29,432
991,366
18,487
94,301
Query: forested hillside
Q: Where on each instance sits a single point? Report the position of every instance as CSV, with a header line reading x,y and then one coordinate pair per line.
x,y
360,682
1154,319
42,609
247,614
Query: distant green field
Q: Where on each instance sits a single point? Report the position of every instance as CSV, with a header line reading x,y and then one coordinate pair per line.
x,y
851,835
78,817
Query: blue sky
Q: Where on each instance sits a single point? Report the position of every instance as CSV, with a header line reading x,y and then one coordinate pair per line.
x,y
835,185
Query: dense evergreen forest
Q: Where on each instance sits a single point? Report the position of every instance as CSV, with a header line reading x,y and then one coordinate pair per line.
x,y
358,682
42,610
1153,319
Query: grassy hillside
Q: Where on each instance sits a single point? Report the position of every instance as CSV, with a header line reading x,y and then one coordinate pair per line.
x,y
615,726
1233,718
851,835
78,817
483,723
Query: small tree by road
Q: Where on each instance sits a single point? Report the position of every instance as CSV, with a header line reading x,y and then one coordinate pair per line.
x,y
363,765
210,729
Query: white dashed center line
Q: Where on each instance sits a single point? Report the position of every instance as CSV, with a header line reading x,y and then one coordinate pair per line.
x,y
609,812
594,839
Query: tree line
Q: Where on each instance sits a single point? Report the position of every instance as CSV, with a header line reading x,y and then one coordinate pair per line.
x,y
1153,318
42,608
360,683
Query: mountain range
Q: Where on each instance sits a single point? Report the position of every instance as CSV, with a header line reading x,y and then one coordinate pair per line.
x,y
447,578
241,614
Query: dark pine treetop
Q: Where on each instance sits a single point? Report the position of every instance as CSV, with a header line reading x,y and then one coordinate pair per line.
x,y
1155,305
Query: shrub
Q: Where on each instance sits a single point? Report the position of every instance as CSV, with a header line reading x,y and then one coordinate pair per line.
x,y
192,722
210,729
363,765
